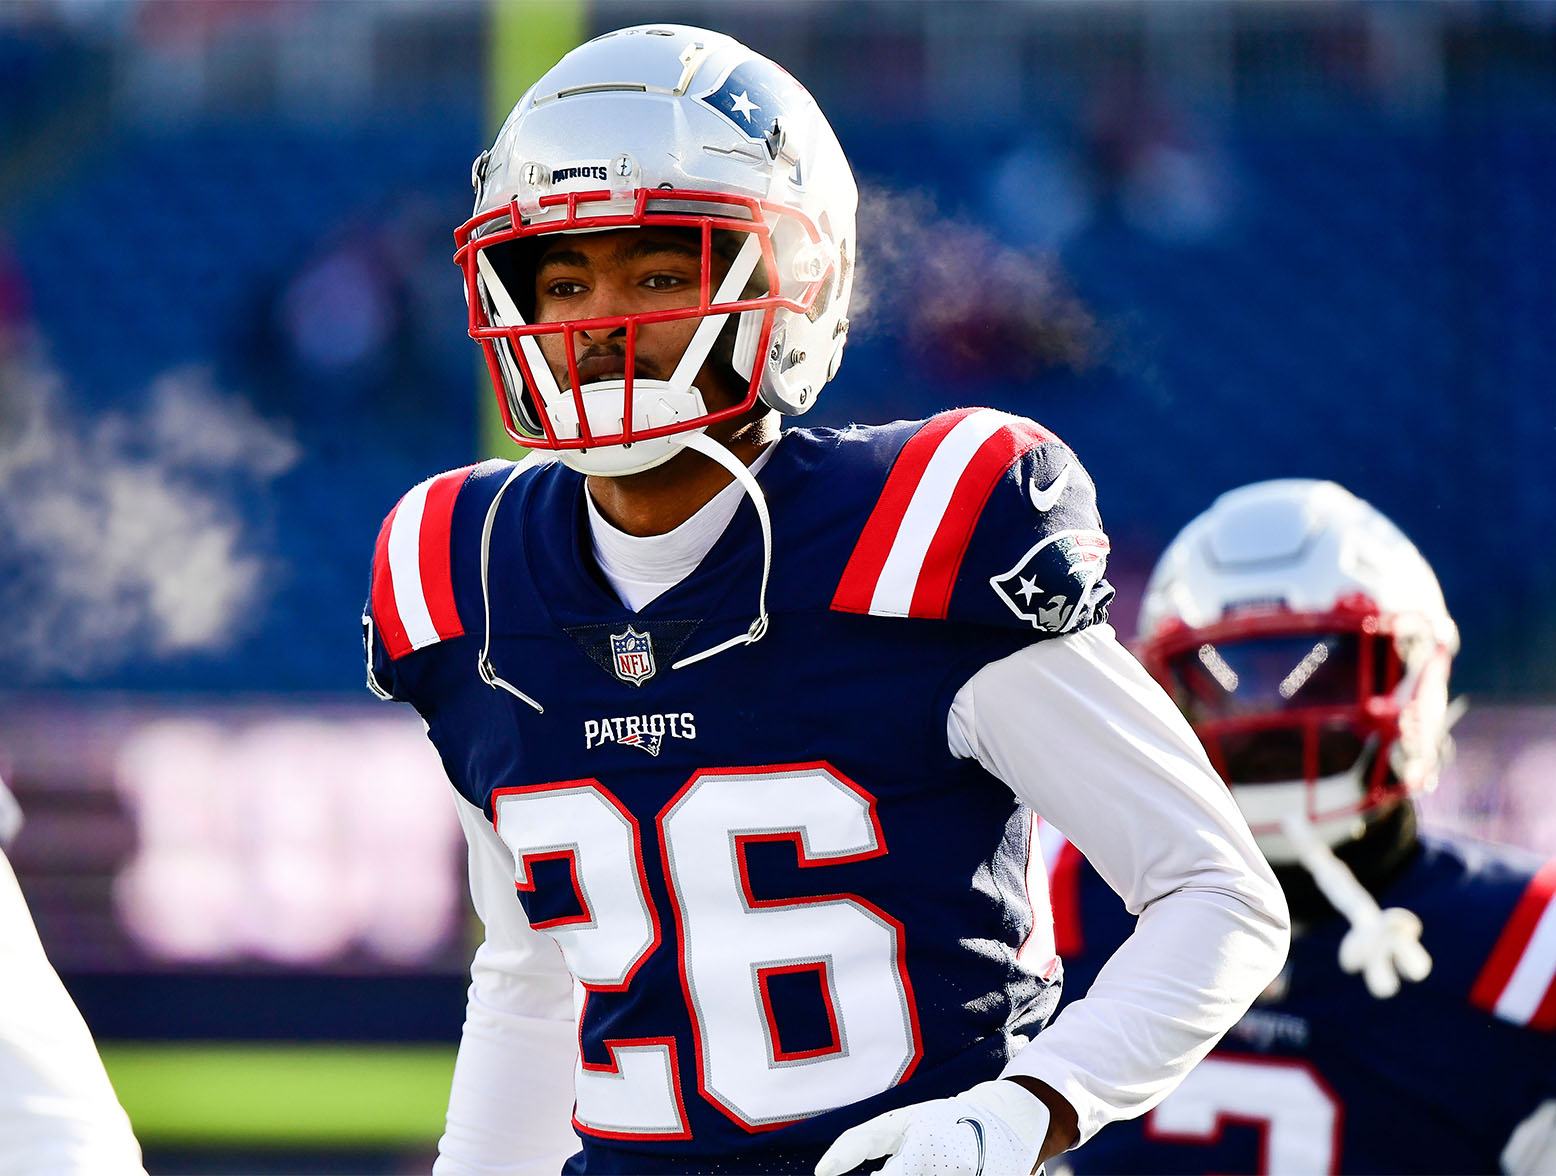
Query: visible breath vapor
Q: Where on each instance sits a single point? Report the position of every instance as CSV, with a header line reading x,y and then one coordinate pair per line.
x,y
120,533
953,286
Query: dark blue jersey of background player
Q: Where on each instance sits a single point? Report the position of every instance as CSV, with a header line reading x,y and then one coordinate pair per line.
x,y
1320,1076
789,899
1308,642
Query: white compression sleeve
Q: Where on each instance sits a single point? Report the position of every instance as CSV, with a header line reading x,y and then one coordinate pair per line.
x,y
1081,734
511,1103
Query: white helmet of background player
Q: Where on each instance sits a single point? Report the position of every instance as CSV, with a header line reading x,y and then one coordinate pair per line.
x,y
664,125
1307,642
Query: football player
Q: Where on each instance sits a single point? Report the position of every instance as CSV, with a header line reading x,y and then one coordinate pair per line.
x,y
747,729
1306,640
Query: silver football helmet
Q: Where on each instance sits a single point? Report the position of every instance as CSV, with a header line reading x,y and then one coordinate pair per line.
x,y
1307,642
682,128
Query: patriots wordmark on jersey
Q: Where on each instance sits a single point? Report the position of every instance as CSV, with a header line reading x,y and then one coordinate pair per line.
x,y
1320,1076
750,863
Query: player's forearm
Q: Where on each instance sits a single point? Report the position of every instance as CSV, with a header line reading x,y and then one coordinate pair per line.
x,y
1195,963
511,1101
1063,1125
1112,763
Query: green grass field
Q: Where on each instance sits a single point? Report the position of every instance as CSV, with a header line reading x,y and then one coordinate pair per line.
x,y
284,1095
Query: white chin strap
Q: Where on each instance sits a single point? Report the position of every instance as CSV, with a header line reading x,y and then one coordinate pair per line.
x,y
655,403
483,665
703,444
1383,945
710,448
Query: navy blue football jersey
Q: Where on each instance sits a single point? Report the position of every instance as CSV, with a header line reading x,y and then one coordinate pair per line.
x,y
790,907
1320,1076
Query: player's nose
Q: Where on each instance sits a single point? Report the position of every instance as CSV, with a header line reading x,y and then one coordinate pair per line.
x,y
595,336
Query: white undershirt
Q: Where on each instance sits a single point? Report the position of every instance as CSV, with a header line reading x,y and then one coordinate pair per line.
x,y
643,567
1083,736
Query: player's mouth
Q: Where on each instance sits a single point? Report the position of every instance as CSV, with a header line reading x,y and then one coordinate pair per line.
x,y
612,366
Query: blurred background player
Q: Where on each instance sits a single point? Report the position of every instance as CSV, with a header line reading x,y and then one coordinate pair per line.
x,y
773,867
1306,640
58,1113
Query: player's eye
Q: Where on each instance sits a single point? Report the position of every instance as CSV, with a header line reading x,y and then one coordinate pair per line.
x,y
563,288
664,281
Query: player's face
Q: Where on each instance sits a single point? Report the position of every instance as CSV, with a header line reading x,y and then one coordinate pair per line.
x,y
625,271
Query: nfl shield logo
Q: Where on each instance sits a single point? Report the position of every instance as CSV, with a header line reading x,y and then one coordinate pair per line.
x,y
632,656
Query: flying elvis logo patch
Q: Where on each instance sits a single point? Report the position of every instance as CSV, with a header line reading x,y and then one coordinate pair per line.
x,y
1052,584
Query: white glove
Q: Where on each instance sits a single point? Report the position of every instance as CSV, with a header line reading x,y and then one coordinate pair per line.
x,y
995,1129
1384,946
1531,1149
1384,949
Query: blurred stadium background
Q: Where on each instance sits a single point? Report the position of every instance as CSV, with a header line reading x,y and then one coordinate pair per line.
x,y
1205,242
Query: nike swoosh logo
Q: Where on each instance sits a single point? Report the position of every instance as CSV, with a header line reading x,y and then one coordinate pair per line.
x,y
978,1130
1044,499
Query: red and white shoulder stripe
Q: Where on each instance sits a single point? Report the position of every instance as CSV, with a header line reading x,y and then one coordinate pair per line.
x,y
413,581
907,557
1518,982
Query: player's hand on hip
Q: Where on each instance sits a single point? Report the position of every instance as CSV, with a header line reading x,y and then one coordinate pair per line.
x,y
995,1129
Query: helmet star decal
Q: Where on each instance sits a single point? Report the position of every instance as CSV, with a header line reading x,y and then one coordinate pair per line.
x,y
754,94
742,104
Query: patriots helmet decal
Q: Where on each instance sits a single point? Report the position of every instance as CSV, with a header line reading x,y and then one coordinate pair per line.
x,y
755,94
